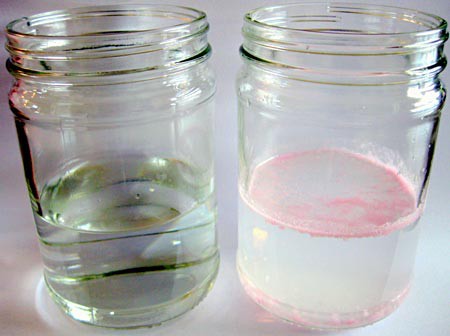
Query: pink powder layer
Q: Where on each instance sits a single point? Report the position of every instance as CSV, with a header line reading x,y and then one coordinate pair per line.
x,y
333,193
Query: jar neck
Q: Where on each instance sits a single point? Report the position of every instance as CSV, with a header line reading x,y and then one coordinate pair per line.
x,y
95,43
345,43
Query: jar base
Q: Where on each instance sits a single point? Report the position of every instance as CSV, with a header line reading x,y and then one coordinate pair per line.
x,y
319,320
130,318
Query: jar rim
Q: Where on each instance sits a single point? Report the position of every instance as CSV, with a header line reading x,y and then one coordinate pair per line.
x,y
195,15
105,41
430,22
345,43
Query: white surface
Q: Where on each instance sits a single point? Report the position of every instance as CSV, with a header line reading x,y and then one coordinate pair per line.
x,y
26,309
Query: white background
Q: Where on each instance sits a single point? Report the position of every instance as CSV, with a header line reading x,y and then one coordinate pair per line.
x,y
25,308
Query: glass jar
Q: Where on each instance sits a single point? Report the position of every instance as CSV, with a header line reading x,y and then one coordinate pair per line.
x,y
339,107
114,114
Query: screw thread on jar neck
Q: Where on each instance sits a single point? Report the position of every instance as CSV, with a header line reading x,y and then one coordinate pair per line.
x,y
344,43
106,41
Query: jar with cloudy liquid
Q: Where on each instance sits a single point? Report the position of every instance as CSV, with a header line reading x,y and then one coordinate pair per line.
x,y
114,113
339,107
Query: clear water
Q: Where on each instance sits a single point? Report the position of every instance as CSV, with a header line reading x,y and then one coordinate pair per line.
x,y
327,238
128,242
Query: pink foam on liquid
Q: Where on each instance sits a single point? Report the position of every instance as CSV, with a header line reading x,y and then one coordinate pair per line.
x,y
333,193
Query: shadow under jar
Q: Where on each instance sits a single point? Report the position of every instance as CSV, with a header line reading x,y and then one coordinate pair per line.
x,y
114,114
339,107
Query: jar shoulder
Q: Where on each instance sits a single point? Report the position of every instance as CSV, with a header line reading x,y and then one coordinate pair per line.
x,y
170,91
271,91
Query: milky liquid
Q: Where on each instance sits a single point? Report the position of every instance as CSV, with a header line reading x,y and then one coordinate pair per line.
x,y
327,238
128,241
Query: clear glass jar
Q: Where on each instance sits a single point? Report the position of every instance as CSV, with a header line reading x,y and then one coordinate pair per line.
x,y
114,114
339,107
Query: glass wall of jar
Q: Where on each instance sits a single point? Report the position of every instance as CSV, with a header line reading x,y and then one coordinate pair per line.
x,y
339,107
114,114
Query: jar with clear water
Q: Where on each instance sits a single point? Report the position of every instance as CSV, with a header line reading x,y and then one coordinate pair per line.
x,y
114,113
339,107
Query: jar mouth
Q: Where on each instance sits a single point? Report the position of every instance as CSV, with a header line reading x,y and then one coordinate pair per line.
x,y
77,41
77,22
345,43
351,26
378,19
